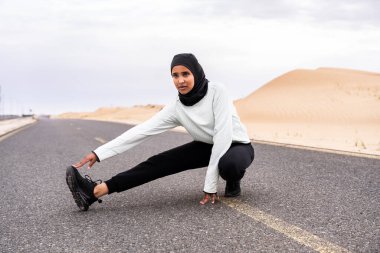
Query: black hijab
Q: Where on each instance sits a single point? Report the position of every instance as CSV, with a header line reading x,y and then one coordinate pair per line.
x,y
200,82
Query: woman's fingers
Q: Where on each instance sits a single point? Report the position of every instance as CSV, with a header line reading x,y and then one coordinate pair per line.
x,y
91,163
209,197
205,199
214,197
88,158
80,164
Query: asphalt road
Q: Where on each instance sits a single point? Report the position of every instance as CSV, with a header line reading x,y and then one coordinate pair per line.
x,y
334,197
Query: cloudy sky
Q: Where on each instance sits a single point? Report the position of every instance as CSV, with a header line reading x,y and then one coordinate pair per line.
x,y
78,55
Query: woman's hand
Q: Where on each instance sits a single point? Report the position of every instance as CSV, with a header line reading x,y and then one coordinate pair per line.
x,y
91,158
209,197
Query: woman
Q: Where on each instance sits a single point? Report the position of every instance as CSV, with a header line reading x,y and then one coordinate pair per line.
x,y
220,141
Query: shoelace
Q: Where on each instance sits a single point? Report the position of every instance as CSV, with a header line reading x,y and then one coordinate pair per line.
x,y
99,181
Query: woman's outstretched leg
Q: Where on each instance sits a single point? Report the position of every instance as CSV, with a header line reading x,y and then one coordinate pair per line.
x,y
188,156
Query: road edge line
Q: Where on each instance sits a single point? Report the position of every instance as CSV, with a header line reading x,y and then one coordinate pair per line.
x,y
317,149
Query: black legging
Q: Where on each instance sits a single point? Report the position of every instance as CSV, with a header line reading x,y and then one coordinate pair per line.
x,y
232,164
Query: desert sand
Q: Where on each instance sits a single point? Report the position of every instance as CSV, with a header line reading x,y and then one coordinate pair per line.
x,y
129,115
327,108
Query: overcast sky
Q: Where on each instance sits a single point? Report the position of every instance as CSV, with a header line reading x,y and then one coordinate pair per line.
x,y
78,55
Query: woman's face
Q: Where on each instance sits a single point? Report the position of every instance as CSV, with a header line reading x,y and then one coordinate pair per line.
x,y
183,79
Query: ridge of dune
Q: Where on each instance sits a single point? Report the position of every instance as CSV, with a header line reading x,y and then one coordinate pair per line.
x,y
316,95
354,71
326,107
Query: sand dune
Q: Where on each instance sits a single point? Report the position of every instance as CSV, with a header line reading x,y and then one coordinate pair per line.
x,y
327,108
130,115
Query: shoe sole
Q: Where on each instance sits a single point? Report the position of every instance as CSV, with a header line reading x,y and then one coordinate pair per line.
x,y
230,195
74,188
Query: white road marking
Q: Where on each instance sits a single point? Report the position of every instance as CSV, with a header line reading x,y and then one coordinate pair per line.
x,y
101,140
298,234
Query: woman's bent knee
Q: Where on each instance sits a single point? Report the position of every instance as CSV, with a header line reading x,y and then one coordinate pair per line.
x,y
237,159
230,171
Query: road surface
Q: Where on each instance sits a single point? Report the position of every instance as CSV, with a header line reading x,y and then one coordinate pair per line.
x,y
292,200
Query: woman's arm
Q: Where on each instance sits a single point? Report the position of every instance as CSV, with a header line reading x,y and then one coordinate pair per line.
x,y
161,122
222,108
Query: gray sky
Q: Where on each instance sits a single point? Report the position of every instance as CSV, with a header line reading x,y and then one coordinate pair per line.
x,y
78,55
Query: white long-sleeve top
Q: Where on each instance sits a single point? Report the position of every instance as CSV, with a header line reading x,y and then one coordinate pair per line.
x,y
212,120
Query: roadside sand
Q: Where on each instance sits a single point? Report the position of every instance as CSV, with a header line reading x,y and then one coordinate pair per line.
x,y
7,126
325,108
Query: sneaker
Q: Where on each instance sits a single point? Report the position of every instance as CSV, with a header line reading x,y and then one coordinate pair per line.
x,y
232,189
82,188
